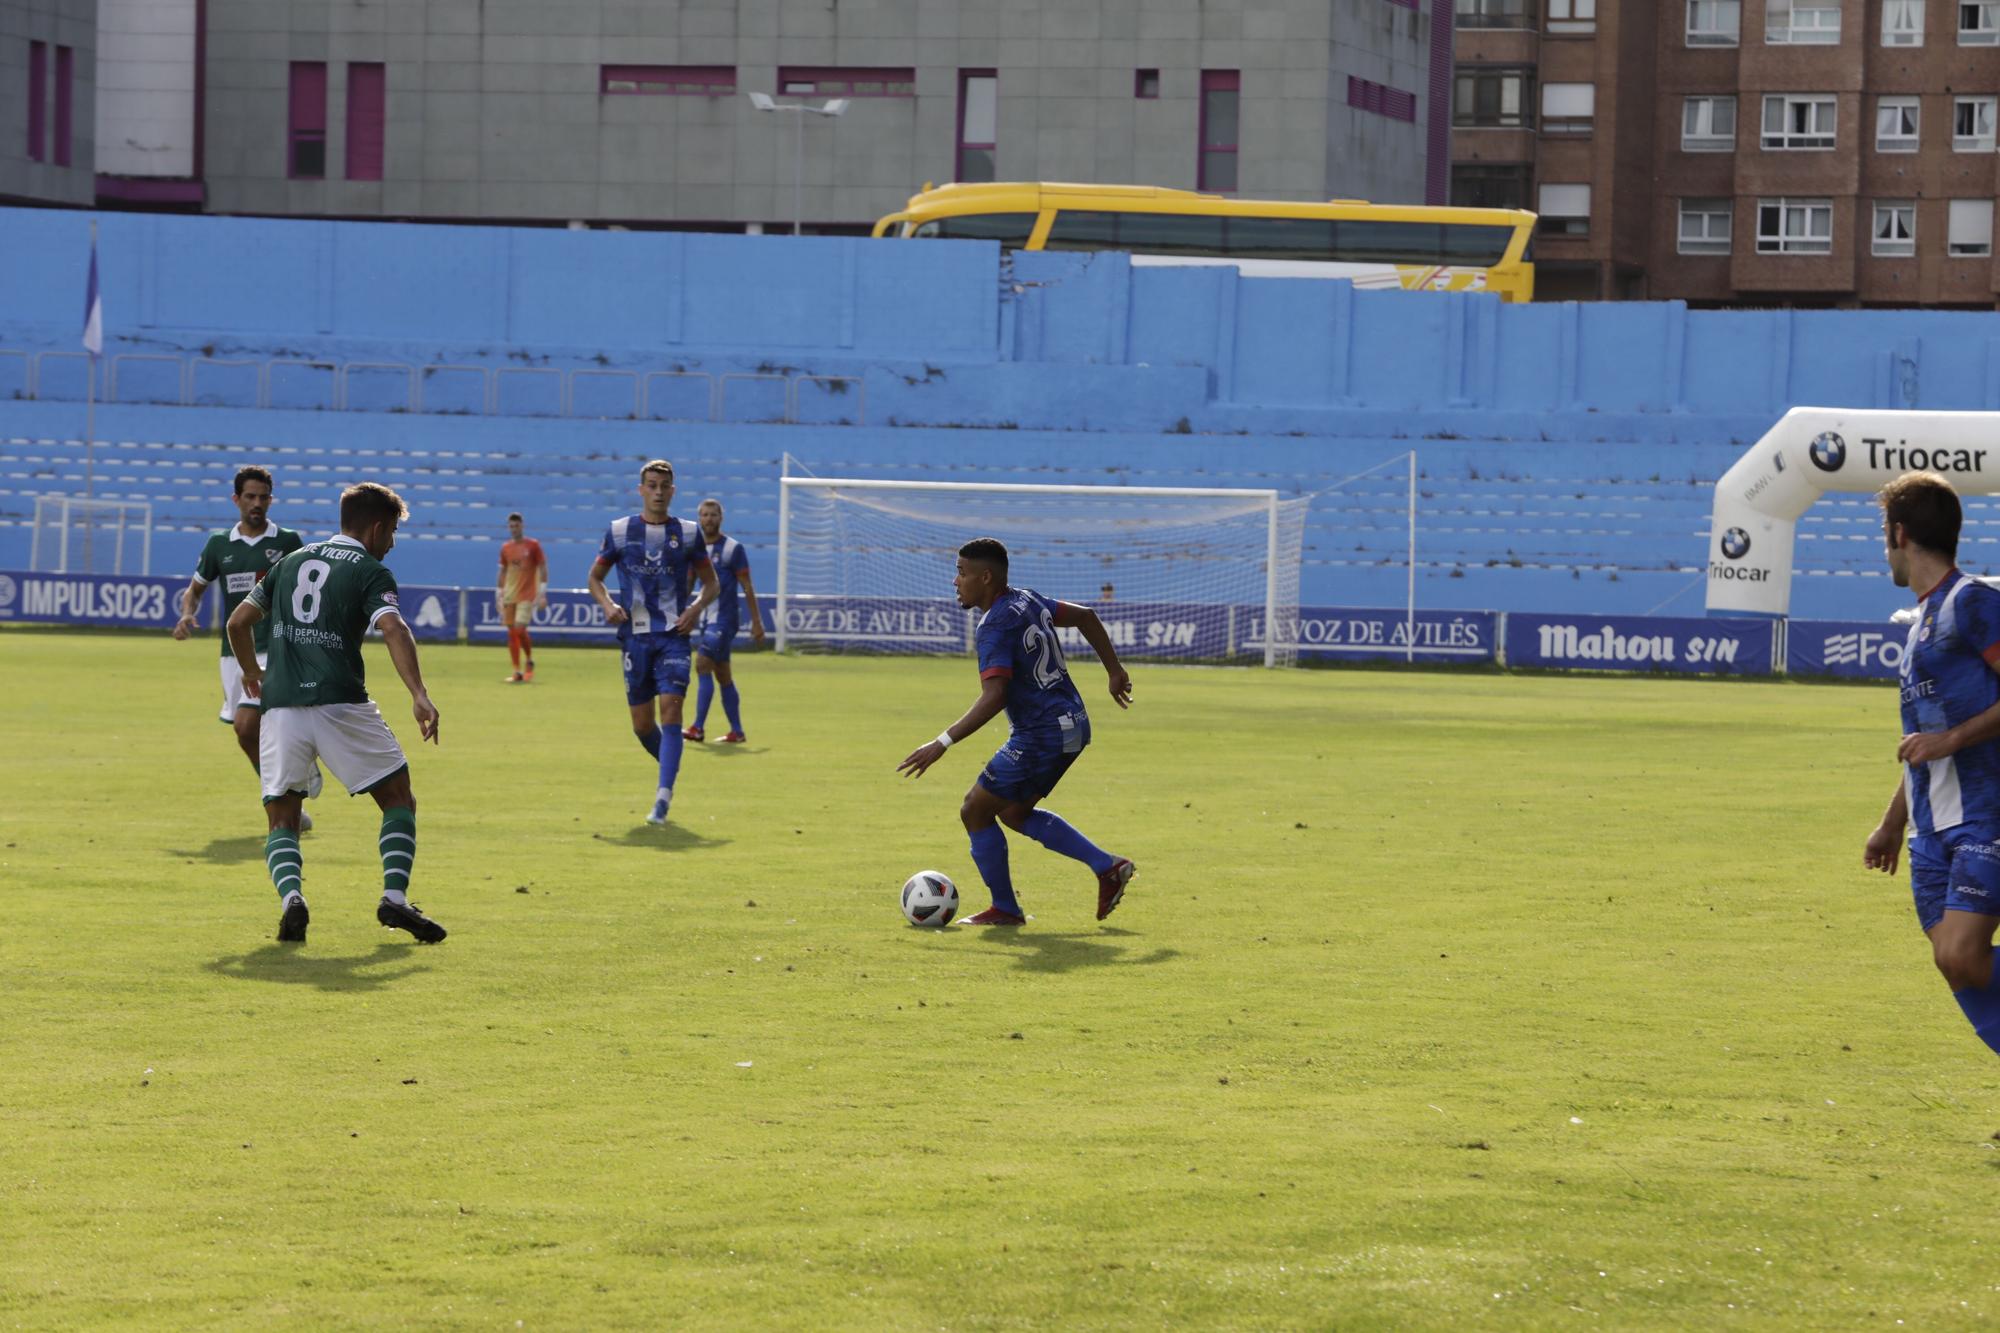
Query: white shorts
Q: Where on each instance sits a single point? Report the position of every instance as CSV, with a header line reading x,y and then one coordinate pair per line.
x,y
352,738
233,697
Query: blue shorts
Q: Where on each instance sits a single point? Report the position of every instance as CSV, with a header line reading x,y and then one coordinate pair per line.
x,y
655,664
1028,767
1956,870
715,641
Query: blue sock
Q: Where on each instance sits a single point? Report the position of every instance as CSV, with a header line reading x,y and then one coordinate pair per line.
x,y
731,706
989,853
1982,1010
704,693
670,761
651,740
1054,833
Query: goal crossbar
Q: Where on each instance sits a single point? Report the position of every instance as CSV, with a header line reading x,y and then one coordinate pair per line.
x,y
853,483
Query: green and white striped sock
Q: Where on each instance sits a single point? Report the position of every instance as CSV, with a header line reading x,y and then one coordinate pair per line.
x,y
282,859
399,850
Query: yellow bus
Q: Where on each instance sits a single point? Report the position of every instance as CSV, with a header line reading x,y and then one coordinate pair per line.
x,y
1408,246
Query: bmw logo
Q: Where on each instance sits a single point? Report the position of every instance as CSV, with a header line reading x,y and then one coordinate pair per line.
x,y
6,592
1828,452
1777,462
1736,543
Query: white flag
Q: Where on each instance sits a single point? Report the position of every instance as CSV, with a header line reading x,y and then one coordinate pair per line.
x,y
93,310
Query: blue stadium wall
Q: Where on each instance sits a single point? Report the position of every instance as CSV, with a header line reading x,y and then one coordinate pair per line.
x,y
1565,453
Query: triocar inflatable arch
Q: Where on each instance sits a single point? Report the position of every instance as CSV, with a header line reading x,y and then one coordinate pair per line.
x,y
1813,450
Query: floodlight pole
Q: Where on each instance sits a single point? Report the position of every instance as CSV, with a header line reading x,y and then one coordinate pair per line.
x,y
834,107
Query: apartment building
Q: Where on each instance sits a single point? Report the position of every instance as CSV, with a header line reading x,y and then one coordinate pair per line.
x,y
1763,152
640,112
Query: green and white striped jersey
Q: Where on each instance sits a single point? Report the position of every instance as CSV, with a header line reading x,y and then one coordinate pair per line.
x,y
238,562
320,602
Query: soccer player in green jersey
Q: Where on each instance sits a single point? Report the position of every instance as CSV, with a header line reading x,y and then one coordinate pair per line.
x,y
238,559
322,600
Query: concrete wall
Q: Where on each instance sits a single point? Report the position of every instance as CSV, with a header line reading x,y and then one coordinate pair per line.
x,y
949,333
494,109
146,96
71,23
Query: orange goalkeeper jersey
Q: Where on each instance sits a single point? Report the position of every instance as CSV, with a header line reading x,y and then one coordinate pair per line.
x,y
523,570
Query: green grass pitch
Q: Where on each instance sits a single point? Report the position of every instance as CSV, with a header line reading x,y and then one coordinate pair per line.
x,y
1439,1000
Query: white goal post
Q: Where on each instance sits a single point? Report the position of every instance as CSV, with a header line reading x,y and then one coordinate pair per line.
x,y
78,535
1175,572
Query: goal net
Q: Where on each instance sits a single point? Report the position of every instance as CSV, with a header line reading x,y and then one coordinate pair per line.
x,y
75,535
1173,572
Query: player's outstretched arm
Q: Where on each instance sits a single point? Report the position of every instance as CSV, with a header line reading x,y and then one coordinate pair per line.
x,y
750,595
992,699
710,588
190,603
402,646
1885,844
242,631
614,614
1086,623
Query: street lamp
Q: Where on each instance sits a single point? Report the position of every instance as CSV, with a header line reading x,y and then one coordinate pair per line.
x,y
834,107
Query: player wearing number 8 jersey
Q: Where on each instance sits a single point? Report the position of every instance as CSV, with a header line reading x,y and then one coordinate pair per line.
x,y
1021,670
321,601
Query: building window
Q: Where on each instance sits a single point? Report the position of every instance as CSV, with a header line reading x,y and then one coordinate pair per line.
x,y
1146,83
1485,185
1565,210
668,80
1971,228
307,140
798,81
1802,23
1972,124
38,101
1798,122
1381,99
1708,125
65,92
367,100
1896,123
1978,24
1794,226
1704,228
978,123
1568,108
1895,228
1572,16
1714,22
1221,92
1902,22
1494,96
1493,14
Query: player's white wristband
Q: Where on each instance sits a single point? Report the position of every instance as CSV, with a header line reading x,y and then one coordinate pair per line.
x,y
944,740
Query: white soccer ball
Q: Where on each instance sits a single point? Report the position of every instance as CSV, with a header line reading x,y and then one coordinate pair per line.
x,y
930,898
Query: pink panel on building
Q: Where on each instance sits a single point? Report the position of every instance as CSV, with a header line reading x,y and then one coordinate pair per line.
x,y
367,100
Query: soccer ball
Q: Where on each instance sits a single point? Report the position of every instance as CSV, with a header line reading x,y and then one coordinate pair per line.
x,y
930,898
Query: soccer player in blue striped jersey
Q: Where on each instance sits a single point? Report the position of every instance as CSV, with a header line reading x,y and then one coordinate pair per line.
x,y
658,558
1950,747
1021,670
719,626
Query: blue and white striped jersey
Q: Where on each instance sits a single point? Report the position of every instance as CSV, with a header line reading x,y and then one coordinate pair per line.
x,y
1947,678
729,559
656,570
